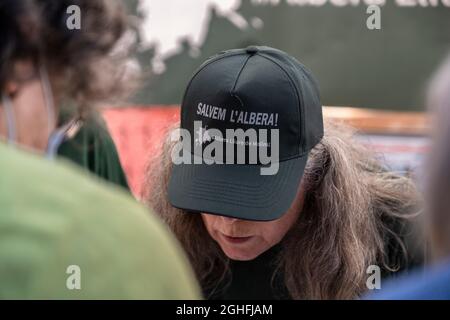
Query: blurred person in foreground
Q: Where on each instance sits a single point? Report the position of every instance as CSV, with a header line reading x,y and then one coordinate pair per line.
x,y
64,235
434,281
311,230
54,77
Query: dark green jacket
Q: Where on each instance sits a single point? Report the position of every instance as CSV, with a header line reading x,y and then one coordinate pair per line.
x,y
93,149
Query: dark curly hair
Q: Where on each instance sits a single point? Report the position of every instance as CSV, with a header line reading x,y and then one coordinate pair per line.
x,y
80,62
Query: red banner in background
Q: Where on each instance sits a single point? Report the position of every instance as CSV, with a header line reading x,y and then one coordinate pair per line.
x,y
138,134
399,138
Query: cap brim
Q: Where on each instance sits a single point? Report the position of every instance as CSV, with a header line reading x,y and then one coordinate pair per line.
x,y
238,191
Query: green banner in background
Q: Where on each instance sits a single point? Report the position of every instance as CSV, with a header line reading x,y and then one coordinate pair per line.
x,y
355,66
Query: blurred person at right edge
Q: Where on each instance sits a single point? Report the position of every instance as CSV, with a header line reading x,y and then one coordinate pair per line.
x,y
433,283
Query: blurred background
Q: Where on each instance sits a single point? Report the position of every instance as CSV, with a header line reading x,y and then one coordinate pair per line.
x,y
373,79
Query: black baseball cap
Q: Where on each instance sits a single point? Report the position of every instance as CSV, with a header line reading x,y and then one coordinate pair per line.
x,y
253,88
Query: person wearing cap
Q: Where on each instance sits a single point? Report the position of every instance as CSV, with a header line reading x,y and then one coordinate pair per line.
x,y
306,224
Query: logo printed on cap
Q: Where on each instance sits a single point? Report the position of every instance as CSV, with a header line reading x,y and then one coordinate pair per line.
x,y
238,116
202,136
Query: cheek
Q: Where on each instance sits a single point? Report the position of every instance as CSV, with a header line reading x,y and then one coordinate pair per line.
x,y
274,231
31,120
2,123
211,225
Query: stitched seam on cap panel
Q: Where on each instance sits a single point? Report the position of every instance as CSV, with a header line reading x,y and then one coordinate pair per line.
x,y
263,199
263,185
297,93
307,71
201,68
317,138
238,75
300,155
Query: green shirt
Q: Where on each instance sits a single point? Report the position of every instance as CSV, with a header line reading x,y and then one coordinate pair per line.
x,y
93,148
52,216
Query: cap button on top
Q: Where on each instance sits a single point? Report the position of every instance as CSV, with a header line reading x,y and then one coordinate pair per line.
x,y
252,49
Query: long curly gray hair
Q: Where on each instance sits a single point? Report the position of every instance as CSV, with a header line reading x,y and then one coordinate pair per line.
x,y
353,217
